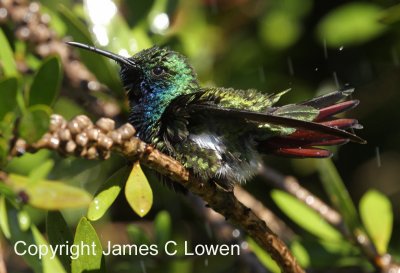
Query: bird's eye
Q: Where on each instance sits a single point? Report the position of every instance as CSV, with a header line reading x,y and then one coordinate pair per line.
x,y
158,71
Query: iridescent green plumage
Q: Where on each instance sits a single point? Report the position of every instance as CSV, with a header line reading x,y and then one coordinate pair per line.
x,y
219,133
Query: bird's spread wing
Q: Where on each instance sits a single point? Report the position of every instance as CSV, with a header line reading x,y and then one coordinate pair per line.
x,y
274,119
304,125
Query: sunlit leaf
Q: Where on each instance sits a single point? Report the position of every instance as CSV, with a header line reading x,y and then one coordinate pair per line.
x,y
263,256
50,264
304,216
46,83
8,95
162,226
50,195
59,234
34,123
4,218
377,215
107,194
7,57
279,30
138,192
88,261
99,65
351,24
301,254
41,172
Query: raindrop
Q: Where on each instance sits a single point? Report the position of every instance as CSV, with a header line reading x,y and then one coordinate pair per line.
x,y
336,80
395,57
378,157
244,245
208,229
236,233
143,266
205,262
341,48
261,73
325,50
316,69
290,66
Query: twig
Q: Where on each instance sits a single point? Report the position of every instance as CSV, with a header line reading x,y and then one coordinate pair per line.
x,y
80,137
277,225
3,268
223,231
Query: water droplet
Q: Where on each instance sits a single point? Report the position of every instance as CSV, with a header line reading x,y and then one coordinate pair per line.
x,y
236,233
341,48
309,200
316,69
205,262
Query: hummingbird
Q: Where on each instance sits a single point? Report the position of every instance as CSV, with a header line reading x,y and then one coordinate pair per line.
x,y
218,133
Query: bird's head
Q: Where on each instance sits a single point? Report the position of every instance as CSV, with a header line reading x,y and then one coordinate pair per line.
x,y
155,75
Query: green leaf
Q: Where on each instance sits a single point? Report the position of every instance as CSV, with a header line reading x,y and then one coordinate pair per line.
x,y
50,195
301,254
107,194
162,226
50,264
34,123
137,235
377,215
99,65
304,216
263,256
8,95
138,192
7,57
89,261
338,193
59,234
391,15
351,24
41,172
46,83
23,238
4,218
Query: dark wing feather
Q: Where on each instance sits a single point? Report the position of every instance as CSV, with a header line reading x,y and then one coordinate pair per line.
x,y
276,120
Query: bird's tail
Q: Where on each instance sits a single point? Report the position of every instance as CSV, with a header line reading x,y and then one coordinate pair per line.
x,y
302,142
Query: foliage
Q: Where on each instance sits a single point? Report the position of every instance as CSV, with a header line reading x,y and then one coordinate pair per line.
x,y
310,46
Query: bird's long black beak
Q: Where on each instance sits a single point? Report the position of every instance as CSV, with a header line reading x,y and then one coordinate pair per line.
x,y
118,58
